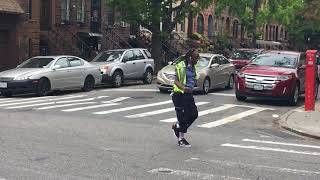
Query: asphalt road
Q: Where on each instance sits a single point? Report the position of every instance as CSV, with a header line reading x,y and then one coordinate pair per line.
x,y
125,134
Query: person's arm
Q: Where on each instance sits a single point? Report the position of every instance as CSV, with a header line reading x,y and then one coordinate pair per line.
x,y
180,86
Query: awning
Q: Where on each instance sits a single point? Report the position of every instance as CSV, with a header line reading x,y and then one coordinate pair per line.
x,y
89,34
10,7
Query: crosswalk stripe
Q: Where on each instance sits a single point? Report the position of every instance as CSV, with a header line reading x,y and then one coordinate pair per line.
x,y
159,111
106,104
133,107
90,107
44,100
205,112
281,143
50,103
64,105
271,149
12,100
232,118
222,94
132,90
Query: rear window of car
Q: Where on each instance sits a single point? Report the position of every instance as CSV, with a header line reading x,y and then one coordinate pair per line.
x,y
147,53
275,60
243,55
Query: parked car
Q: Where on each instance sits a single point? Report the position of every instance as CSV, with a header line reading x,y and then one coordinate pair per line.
x,y
43,74
125,64
276,74
242,57
214,71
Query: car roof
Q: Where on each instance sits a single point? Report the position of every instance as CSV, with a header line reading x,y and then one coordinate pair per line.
x,y
248,49
57,56
208,54
284,52
126,49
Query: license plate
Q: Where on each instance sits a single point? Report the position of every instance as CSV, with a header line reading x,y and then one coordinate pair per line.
x,y
3,85
258,87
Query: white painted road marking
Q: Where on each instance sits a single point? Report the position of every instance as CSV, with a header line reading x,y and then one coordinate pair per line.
x,y
259,167
133,90
12,100
151,113
231,118
44,100
222,94
90,107
50,103
205,112
116,100
133,107
272,149
281,143
64,105
190,174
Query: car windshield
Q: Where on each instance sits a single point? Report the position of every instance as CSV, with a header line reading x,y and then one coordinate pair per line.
x,y
243,55
278,60
37,63
202,61
108,56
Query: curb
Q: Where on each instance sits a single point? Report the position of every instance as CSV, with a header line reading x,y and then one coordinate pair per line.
x,y
283,124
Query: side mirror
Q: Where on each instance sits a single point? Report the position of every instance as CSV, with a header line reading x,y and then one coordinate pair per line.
x,y
124,60
214,65
55,67
170,63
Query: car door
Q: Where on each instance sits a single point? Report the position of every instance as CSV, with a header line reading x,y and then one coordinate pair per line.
x,y
60,75
141,62
129,65
302,70
215,72
226,69
76,72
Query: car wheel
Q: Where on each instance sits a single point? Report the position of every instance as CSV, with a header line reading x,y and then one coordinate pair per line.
x,y
163,90
117,79
293,100
88,84
230,84
240,98
147,77
7,94
43,87
206,86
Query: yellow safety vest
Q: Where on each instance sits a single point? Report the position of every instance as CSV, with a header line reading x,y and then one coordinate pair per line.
x,y
182,76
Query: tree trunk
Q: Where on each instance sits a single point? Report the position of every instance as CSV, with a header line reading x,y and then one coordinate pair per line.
x,y
156,37
254,23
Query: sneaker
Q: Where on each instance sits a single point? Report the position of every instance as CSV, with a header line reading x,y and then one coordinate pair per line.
x,y
175,130
183,143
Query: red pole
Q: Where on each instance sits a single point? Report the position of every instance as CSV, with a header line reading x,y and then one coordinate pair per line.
x,y
310,80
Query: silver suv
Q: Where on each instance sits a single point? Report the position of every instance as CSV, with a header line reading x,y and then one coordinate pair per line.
x,y
125,64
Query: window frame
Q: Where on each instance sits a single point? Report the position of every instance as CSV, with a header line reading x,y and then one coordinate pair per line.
x,y
81,11
66,58
72,58
65,10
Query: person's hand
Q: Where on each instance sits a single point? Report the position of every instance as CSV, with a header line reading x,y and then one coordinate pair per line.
x,y
187,90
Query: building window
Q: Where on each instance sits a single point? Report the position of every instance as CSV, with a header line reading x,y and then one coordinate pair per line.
x,y
200,23
30,9
65,10
183,24
80,11
210,27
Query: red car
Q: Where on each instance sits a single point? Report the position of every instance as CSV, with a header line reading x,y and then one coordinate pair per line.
x,y
242,57
276,74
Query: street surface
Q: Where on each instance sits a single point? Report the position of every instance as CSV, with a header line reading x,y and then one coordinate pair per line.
x,y
125,133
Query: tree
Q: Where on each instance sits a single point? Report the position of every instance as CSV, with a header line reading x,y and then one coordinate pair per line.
x,y
150,13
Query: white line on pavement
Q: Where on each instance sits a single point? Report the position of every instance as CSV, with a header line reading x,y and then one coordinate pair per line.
x,y
133,107
50,103
271,149
190,174
44,100
151,113
133,90
281,143
260,167
64,105
116,100
90,107
205,112
222,94
231,118
12,100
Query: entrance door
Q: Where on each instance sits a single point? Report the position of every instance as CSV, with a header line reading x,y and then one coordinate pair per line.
x,y
95,15
45,15
4,40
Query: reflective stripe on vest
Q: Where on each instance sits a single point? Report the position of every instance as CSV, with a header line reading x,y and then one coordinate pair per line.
x,y
182,76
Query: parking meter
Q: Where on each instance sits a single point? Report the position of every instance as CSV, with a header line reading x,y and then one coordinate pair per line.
x,y
310,80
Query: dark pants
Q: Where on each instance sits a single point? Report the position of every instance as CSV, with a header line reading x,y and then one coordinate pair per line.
x,y
186,110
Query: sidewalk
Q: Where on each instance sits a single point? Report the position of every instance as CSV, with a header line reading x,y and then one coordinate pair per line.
x,y
302,122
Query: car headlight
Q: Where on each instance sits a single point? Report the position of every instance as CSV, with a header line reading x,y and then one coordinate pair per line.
x,y
19,78
284,77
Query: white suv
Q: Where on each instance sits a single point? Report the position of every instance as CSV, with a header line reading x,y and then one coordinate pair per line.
x,y
125,64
